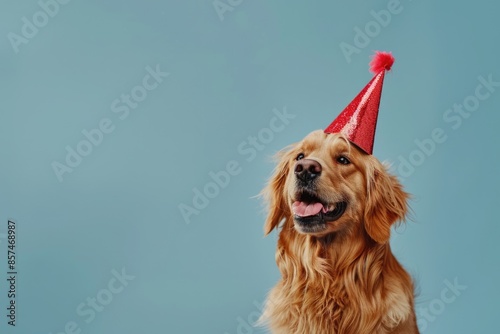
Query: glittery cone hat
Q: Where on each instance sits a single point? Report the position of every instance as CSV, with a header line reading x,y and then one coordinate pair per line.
x,y
358,120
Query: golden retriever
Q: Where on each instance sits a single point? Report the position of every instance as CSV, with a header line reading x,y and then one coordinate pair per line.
x,y
336,205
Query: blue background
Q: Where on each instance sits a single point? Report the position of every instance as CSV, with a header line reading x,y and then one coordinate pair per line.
x,y
119,208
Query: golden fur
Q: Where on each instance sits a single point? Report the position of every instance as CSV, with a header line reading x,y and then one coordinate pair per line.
x,y
344,278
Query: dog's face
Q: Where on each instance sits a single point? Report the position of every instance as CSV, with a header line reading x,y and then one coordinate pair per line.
x,y
325,184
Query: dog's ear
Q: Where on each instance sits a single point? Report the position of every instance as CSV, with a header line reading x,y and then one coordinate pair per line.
x,y
274,193
386,203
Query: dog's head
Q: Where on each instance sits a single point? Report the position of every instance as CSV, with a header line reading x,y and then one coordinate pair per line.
x,y
325,184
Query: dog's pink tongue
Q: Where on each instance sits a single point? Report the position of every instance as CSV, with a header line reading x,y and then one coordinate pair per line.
x,y
306,209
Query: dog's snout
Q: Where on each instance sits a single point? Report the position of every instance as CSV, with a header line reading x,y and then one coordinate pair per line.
x,y
307,169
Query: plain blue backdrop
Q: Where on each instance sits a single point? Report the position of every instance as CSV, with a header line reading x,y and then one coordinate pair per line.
x,y
233,65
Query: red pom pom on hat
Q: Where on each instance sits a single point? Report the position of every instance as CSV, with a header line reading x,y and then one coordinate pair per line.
x,y
381,61
358,121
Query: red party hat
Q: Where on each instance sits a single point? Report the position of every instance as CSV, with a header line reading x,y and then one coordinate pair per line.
x,y
358,120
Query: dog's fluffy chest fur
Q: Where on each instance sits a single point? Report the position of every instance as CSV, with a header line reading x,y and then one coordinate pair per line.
x,y
315,311
329,293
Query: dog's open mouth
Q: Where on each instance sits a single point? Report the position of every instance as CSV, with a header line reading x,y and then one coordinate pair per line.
x,y
310,211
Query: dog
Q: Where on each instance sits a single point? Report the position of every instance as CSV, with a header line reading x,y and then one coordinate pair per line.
x,y
334,206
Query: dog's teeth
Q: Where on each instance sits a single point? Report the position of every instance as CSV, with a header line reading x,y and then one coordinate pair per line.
x,y
328,208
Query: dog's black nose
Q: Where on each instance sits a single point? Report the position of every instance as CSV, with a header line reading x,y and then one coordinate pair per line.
x,y
307,169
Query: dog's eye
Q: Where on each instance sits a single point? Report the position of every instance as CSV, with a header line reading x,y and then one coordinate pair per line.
x,y
343,160
300,156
